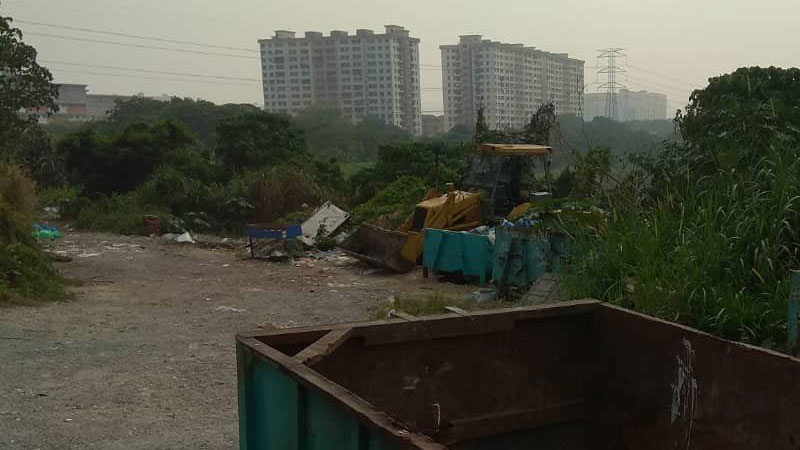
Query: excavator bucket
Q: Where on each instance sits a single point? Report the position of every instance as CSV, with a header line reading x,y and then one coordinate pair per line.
x,y
378,246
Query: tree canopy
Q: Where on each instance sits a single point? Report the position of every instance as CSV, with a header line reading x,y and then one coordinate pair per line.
x,y
122,161
200,116
25,87
256,139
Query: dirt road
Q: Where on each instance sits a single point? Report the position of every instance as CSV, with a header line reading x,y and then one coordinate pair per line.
x,y
143,357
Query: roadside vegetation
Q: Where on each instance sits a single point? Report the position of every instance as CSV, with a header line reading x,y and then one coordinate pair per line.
x,y
26,274
706,231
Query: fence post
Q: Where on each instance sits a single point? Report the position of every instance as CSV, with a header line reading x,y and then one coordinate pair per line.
x,y
793,311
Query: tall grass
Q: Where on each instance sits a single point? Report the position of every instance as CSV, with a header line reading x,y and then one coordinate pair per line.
x,y
711,251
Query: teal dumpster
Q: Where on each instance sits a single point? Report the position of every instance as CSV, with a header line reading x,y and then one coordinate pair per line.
x,y
521,256
458,252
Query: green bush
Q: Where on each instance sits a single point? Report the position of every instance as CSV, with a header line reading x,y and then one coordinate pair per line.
x,y
64,198
122,213
277,191
17,189
393,204
25,271
27,275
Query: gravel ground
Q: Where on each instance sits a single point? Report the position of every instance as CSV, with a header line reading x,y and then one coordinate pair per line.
x,y
144,356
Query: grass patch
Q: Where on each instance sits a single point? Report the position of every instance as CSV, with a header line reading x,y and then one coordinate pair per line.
x,y
121,214
391,206
433,304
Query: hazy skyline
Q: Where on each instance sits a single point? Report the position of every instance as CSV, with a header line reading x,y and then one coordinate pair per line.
x,y
673,47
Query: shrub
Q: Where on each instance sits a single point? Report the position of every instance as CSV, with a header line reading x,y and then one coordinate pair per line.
x,y
393,204
17,189
711,244
64,198
121,213
280,190
25,271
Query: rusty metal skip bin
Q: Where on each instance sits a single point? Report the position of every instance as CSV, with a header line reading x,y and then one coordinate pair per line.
x,y
571,375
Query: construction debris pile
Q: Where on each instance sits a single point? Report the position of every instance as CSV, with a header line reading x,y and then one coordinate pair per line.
x,y
495,229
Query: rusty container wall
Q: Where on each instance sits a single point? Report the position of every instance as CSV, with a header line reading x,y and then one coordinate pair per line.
x,y
443,382
667,386
280,408
574,375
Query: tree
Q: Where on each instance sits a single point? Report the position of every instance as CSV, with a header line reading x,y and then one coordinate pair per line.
x,y
745,111
121,162
24,86
481,127
256,139
327,132
537,130
200,116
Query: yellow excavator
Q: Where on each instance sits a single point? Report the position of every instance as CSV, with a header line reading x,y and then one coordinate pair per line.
x,y
491,191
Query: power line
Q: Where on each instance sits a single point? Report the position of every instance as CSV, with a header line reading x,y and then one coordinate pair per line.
x,y
135,36
86,72
666,77
665,82
220,77
152,47
682,92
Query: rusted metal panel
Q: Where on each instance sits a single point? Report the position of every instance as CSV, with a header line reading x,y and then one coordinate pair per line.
x,y
575,375
667,386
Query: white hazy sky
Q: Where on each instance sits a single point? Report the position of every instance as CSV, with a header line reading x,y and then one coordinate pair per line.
x,y
672,46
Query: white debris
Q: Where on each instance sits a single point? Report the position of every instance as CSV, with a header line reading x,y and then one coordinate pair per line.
x,y
329,216
229,309
184,238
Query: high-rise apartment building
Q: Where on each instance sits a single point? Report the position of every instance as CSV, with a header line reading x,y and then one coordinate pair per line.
x,y
360,75
510,81
631,105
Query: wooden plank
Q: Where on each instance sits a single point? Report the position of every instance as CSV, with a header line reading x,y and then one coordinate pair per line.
x,y
323,346
507,421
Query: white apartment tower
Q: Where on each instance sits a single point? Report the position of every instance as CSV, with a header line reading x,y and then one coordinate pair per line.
x,y
360,75
510,81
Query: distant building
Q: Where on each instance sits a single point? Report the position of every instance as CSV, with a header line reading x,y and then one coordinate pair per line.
x,y
432,125
76,104
71,102
360,75
510,81
631,105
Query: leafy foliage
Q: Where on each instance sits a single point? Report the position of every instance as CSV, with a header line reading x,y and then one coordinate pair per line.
x,y
330,134
121,162
256,139
200,116
24,85
25,271
712,241
391,205
434,163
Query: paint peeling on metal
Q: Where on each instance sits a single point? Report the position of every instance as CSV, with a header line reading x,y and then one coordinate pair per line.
x,y
684,396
